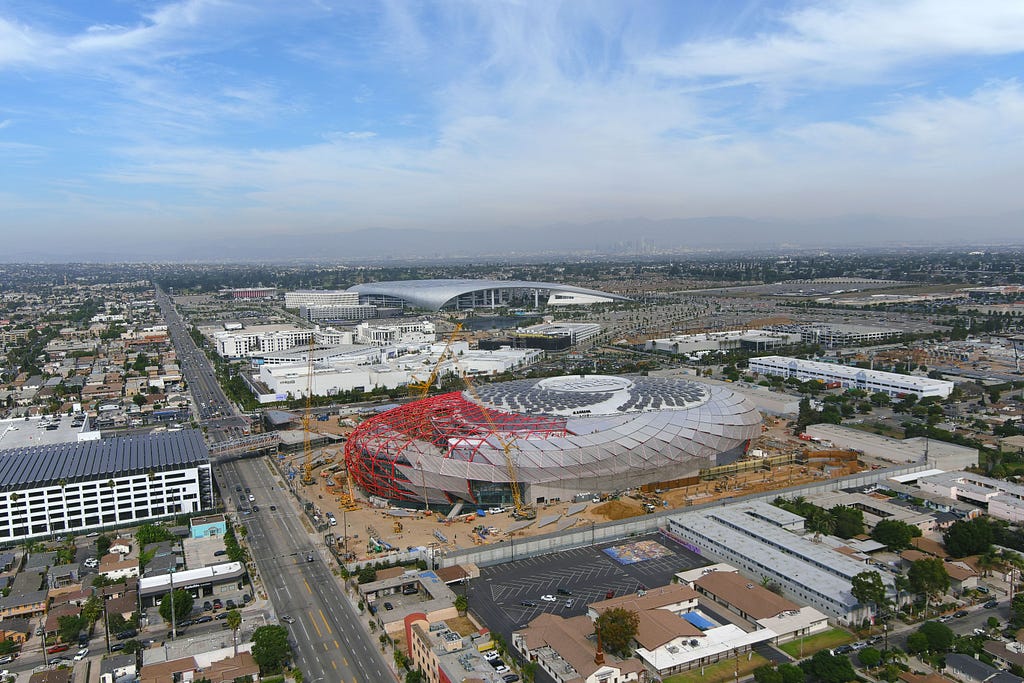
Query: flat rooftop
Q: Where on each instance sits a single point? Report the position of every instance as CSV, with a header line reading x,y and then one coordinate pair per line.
x,y
22,433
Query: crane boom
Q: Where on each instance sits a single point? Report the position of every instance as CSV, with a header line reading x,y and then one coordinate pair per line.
x,y
424,387
522,510
307,449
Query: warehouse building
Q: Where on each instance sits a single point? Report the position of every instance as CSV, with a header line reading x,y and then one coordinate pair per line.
x,y
57,488
708,342
765,541
873,381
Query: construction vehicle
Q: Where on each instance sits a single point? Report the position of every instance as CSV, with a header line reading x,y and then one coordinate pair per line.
x,y
307,449
398,527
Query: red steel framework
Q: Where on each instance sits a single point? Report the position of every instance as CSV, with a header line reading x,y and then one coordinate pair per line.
x,y
448,425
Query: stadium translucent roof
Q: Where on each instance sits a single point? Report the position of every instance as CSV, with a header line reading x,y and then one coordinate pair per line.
x,y
434,294
38,466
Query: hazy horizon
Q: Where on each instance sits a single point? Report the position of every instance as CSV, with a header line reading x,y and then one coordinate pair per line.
x,y
170,128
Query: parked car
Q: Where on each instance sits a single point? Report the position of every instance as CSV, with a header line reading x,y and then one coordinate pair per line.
x,y
59,647
549,598
388,606
230,604
959,614
563,591
217,604
287,619
990,604
208,606
206,619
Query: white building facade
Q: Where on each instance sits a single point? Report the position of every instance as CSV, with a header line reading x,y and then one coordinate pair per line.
x,y
848,377
320,297
253,341
74,487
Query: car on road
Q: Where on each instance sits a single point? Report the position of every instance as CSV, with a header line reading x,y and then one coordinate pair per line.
x,y
59,647
221,616
990,604
125,635
842,650
287,619
549,598
238,487
510,678
309,557
980,631
114,647
503,669
945,619
81,654
220,553
273,508
960,613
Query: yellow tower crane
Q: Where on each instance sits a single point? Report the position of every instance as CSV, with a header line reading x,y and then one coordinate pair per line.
x,y
423,388
307,449
521,509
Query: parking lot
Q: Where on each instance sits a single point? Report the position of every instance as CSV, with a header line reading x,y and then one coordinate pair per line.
x,y
508,596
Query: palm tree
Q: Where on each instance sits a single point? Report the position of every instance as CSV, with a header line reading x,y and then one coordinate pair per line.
x,y
988,561
234,620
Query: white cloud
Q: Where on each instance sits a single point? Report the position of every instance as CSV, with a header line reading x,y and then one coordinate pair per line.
x,y
850,41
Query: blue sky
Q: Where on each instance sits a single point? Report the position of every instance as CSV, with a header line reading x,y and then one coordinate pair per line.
x,y
243,117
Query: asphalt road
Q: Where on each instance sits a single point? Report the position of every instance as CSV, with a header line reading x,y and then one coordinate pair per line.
x,y
330,644
329,640
212,407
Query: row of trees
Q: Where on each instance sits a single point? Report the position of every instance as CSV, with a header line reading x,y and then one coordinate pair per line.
x,y
841,520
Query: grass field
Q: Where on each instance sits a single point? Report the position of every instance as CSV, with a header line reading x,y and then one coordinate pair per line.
x,y
818,641
720,671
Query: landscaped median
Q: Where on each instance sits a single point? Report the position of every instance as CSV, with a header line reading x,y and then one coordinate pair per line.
x,y
819,641
724,670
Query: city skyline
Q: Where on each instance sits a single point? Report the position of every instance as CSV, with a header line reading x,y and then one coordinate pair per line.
x,y
134,127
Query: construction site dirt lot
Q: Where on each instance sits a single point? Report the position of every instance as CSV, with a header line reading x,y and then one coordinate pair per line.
x,y
416,528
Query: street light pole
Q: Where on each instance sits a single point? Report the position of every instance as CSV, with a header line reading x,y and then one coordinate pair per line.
x,y
174,628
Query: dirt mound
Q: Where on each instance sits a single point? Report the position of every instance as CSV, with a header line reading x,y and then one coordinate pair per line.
x,y
618,509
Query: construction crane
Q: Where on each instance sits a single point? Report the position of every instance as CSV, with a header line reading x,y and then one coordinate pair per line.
x,y
423,388
521,510
307,449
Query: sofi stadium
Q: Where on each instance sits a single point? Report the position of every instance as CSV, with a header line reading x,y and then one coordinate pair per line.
x,y
562,435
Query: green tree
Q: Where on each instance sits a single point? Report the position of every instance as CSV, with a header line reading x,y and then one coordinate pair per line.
x,y
940,637
182,606
415,676
461,604
849,521
971,537
270,648
92,610
139,400
69,626
917,643
103,543
828,668
617,627
928,577
151,533
868,588
870,657
896,535
879,399
767,674
791,673
234,620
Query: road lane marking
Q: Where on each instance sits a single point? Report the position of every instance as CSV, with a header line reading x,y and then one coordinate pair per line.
x,y
326,625
308,589
318,633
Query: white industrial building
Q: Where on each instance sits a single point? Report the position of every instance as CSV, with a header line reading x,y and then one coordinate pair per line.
x,y
765,541
342,369
320,297
259,339
941,454
852,377
1003,499
75,486
707,342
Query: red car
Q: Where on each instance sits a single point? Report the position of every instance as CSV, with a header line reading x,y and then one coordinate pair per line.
x,y
54,649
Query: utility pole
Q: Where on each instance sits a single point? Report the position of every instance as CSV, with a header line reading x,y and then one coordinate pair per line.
x,y
174,628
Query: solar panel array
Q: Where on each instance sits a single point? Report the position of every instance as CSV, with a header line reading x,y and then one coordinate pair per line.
x,y
654,394
37,466
525,397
